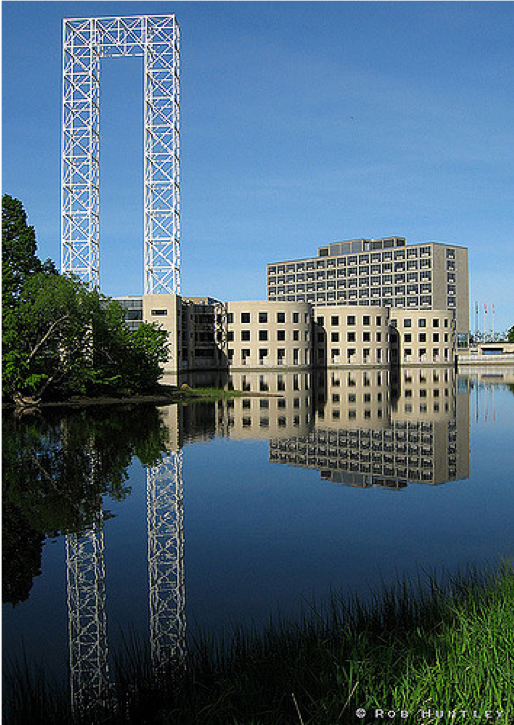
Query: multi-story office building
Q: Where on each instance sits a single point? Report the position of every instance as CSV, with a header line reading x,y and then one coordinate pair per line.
x,y
205,334
378,272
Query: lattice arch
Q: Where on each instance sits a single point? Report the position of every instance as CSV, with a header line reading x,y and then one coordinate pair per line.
x,y
85,41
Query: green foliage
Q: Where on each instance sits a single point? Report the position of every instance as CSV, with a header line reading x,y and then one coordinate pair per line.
x,y
430,647
19,258
510,334
59,338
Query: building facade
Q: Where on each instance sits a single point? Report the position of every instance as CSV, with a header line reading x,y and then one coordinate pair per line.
x,y
378,272
206,334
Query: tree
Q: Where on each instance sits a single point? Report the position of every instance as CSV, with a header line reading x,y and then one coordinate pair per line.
x,y
46,337
61,339
510,334
19,258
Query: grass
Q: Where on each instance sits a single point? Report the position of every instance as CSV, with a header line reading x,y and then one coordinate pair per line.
x,y
415,646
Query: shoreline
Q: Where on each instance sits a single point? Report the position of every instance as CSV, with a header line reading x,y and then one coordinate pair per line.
x,y
167,397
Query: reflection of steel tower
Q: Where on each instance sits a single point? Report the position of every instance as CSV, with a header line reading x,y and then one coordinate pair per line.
x,y
85,42
89,674
166,561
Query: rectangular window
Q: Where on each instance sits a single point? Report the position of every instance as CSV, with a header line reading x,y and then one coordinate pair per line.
x,y
422,322
366,337
263,334
422,337
379,321
263,317
281,334
334,320
350,337
334,337
281,317
159,313
366,320
230,335
245,335
350,320
296,317
245,317
296,334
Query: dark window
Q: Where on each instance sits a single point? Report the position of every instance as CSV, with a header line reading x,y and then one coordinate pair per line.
x,y
334,337
230,317
335,320
281,334
245,335
350,320
159,313
245,317
263,334
296,317
366,320
230,335
281,317
263,316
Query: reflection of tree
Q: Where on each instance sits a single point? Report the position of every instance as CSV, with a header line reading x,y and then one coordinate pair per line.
x,y
48,488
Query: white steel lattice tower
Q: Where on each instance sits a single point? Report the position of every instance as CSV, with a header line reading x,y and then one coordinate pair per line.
x,y
166,561
85,41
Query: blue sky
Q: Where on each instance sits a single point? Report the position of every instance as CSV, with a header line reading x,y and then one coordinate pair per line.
x,y
301,124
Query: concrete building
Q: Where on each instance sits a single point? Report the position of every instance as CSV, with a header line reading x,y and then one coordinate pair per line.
x,y
378,272
205,334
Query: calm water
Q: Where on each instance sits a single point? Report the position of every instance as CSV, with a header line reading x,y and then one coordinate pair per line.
x,y
171,520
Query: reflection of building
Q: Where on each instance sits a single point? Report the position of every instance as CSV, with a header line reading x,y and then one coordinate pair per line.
x,y
278,404
362,427
378,272
361,437
357,426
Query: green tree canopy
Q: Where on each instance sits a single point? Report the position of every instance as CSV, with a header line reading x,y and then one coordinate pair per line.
x,y
19,259
60,338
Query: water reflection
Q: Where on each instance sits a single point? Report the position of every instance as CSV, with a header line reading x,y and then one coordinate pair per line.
x,y
361,428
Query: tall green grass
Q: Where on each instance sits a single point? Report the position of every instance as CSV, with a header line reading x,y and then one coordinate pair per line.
x,y
416,646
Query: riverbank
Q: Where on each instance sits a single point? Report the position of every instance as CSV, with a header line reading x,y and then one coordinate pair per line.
x,y
161,395
418,647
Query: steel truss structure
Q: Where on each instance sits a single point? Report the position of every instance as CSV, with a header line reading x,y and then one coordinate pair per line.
x,y
166,562
85,41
